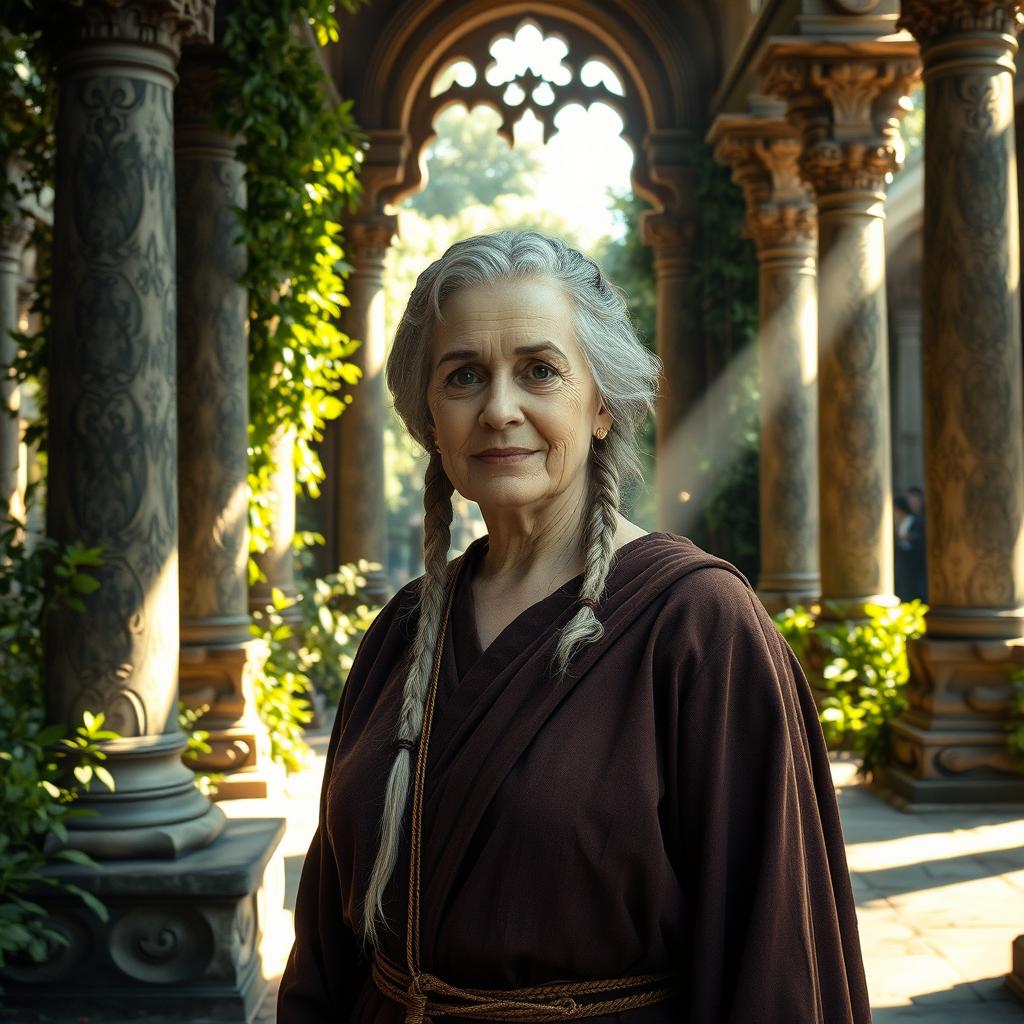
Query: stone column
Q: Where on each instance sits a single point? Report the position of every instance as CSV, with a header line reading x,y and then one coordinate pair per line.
x,y
950,745
13,235
186,896
113,426
219,658
679,417
845,98
277,562
359,473
782,221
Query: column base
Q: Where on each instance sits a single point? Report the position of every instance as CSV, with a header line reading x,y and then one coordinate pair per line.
x,y
155,809
949,747
183,941
220,677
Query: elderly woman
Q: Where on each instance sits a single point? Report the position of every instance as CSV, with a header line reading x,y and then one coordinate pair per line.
x,y
576,772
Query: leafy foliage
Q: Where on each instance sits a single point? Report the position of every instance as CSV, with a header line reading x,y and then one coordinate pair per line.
x,y
311,642
469,164
28,112
198,744
42,769
721,308
301,156
864,672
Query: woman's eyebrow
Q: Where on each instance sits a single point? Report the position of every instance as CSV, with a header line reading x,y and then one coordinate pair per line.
x,y
520,350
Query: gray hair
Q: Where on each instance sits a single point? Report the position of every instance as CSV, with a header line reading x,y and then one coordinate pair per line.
x,y
625,374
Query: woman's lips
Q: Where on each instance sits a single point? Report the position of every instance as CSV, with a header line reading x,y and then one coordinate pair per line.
x,y
495,458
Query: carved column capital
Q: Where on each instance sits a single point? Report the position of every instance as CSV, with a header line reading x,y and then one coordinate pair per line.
x,y
765,159
929,20
160,24
670,236
847,104
369,239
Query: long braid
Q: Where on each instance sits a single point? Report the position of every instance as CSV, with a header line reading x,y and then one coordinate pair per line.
x,y
599,538
437,504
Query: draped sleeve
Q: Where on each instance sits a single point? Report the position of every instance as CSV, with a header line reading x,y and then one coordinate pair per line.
x,y
771,935
327,967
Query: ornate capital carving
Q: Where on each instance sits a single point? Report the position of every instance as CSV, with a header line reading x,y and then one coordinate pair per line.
x,y
369,238
670,236
928,20
765,160
848,111
164,24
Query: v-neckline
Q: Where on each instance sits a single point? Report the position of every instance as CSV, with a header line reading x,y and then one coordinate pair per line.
x,y
474,553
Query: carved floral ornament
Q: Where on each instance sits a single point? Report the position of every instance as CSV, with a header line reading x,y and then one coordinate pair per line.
x,y
162,23
543,91
849,111
780,205
928,20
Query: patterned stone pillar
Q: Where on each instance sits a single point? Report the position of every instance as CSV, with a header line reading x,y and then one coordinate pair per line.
x,y
845,98
782,221
359,488
678,419
950,745
113,425
218,655
182,939
13,235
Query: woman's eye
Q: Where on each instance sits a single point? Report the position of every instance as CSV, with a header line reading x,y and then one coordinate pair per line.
x,y
541,371
464,377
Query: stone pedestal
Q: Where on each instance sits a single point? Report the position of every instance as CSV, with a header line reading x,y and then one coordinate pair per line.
x,y
359,472
678,417
951,744
13,235
781,219
182,942
845,98
218,657
113,452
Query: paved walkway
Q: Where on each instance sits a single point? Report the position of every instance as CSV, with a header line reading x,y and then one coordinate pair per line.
x,y
940,899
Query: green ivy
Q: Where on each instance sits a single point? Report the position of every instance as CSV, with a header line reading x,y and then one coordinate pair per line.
x,y
42,768
311,641
721,311
28,114
864,672
301,156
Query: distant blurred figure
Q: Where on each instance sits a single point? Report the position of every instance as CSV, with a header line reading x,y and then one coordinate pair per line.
x,y
910,564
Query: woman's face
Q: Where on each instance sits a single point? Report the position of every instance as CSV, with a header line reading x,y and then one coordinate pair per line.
x,y
513,403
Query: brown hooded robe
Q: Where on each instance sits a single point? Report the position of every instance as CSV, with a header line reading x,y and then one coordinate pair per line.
x,y
669,807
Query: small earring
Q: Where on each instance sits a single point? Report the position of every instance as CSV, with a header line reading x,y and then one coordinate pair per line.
x,y
601,433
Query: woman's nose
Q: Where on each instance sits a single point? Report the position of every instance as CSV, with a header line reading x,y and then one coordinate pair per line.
x,y
501,406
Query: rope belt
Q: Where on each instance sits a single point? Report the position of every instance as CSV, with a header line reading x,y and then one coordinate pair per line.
x,y
552,1002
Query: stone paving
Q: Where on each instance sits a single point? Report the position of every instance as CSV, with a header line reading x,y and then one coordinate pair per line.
x,y
940,898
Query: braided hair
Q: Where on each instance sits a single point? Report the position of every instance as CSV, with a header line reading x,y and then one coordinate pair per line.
x,y
625,374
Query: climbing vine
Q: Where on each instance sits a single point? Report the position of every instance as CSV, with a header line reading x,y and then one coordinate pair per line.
x,y
721,307
301,153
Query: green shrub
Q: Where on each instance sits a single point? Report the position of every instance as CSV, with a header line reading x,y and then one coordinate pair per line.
x,y
864,671
42,768
311,640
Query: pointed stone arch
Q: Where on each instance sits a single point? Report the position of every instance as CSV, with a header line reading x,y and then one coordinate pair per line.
x,y
666,58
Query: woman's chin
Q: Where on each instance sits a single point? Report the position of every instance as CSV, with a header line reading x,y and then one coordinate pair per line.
x,y
503,494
